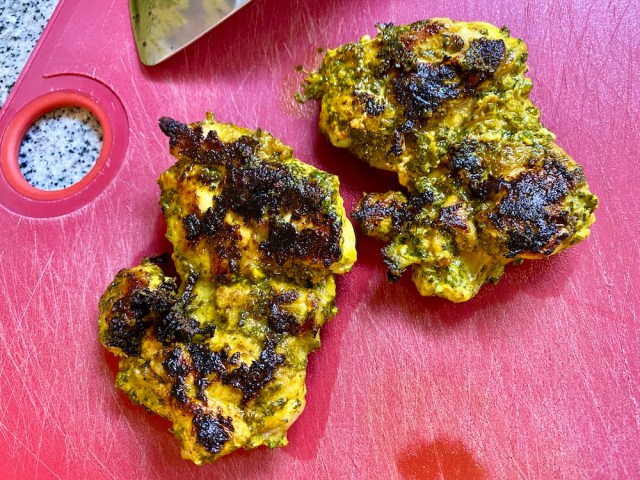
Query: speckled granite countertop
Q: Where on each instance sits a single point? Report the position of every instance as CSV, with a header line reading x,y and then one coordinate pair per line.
x,y
21,24
61,147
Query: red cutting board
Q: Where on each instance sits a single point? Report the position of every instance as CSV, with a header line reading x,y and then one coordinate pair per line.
x,y
537,377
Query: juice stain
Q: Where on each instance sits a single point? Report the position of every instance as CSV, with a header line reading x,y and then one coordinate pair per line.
x,y
440,460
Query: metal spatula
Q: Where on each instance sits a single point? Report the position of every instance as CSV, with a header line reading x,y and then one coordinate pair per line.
x,y
164,27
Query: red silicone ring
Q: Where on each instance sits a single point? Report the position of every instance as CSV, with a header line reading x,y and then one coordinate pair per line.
x,y
21,123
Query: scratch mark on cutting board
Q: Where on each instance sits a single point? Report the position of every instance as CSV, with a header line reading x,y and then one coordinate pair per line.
x,y
518,467
102,465
39,449
286,47
29,451
8,347
133,434
628,375
620,17
35,288
134,84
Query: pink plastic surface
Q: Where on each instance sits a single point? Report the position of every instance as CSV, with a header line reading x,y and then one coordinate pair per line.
x,y
537,377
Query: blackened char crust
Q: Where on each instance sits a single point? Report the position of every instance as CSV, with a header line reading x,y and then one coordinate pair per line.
x,y
177,368
177,324
453,217
320,244
531,212
374,209
279,318
131,314
212,431
369,104
391,207
467,165
140,308
250,379
483,57
203,362
424,90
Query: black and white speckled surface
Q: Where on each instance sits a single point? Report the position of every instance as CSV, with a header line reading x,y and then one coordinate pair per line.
x,y
21,24
63,145
60,148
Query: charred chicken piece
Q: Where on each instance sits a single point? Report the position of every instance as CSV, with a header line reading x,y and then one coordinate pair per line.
x,y
221,351
445,105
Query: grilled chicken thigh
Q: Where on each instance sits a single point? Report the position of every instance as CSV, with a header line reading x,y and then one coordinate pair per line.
x,y
221,351
445,105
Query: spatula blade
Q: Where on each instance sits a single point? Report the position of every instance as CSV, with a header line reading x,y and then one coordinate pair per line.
x,y
164,27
